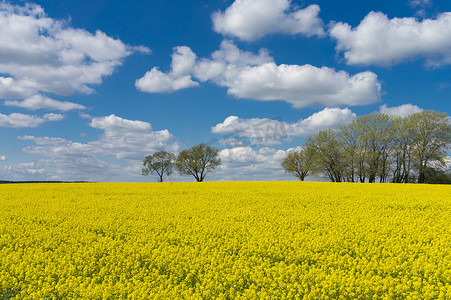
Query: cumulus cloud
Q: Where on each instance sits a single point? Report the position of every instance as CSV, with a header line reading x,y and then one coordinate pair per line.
x,y
252,19
61,168
44,140
267,131
382,41
53,117
130,138
305,85
402,110
155,81
247,163
12,88
250,155
256,76
227,63
123,143
41,54
2,157
115,123
17,120
264,131
42,102
127,139
30,168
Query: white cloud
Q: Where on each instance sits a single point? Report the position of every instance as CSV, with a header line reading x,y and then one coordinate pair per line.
x,y
421,3
253,19
42,102
305,85
155,81
246,163
130,139
265,131
2,157
115,123
17,120
30,168
402,110
253,142
44,140
53,117
232,142
12,88
122,146
41,54
226,63
260,129
62,168
85,116
327,118
140,49
382,41
256,76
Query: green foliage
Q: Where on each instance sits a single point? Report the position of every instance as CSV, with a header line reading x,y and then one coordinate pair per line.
x,y
403,149
161,162
298,163
198,161
327,154
436,176
431,139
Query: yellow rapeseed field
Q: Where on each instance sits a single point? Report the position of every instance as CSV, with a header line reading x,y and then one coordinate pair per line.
x,y
225,240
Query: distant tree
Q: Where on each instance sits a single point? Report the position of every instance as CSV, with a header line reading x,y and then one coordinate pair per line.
x,y
298,163
436,176
431,140
198,161
327,154
161,162
401,152
355,143
414,148
375,130
350,140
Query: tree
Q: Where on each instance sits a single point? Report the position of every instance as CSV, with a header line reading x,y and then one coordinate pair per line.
x,y
436,175
327,154
298,163
350,140
161,162
414,148
376,131
431,139
198,161
401,152
355,142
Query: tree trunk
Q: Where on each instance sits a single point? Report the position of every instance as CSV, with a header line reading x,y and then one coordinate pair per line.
x,y
421,175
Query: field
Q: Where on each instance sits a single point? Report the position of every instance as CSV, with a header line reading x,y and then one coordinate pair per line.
x,y
224,240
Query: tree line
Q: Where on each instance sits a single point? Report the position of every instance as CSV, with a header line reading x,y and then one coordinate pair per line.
x,y
371,148
378,147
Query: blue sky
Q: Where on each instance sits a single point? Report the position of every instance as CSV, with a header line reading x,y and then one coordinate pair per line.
x,y
88,89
